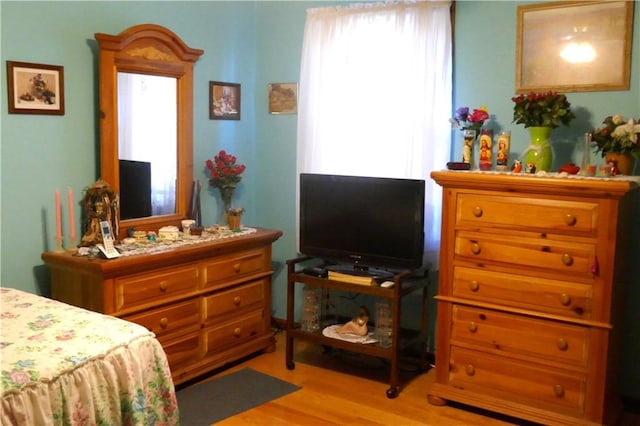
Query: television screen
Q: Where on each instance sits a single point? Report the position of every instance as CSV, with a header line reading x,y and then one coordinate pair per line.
x,y
362,222
135,189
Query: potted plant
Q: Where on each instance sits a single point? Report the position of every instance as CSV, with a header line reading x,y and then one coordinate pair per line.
x,y
225,174
541,112
618,141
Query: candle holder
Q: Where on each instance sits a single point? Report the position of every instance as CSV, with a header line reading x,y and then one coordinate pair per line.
x,y
73,246
59,247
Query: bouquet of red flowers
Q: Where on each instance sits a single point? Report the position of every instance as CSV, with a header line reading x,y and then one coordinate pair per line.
x,y
225,172
470,121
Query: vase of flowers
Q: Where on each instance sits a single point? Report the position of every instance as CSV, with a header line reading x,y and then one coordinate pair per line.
x,y
541,113
619,142
225,174
470,124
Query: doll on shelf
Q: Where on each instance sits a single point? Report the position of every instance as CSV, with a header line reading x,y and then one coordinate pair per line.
x,y
358,325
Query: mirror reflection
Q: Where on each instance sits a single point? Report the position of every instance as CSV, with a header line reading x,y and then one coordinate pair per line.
x,y
147,144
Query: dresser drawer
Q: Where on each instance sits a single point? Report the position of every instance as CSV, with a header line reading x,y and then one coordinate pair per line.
x,y
572,258
234,300
528,292
224,269
535,385
514,334
163,284
165,322
548,215
183,352
232,333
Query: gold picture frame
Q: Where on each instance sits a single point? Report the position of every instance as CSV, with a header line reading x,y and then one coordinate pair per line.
x,y
35,88
574,46
283,98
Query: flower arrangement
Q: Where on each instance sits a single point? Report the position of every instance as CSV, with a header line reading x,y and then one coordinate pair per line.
x,y
224,171
474,121
546,109
617,135
235,211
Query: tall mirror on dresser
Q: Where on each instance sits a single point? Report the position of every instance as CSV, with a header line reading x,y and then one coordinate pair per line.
x,y
146,124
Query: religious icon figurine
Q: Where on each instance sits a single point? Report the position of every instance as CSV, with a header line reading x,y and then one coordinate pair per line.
x,y
100,203
358,325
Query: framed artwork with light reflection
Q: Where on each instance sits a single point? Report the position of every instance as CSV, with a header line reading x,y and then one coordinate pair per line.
x,y
574,46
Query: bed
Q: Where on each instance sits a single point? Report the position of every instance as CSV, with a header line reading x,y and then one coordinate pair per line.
x,y
63,365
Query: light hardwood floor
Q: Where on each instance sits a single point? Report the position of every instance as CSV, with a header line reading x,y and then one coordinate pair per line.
x,y
339,388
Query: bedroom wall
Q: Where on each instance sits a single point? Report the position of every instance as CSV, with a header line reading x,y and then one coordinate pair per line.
x,y
252,43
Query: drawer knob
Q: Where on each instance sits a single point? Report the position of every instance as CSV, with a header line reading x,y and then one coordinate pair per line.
x,y
236,300
163,286
470,370
473,327
237,332
477,211
567,259
164,323
474,285
562,344
565,299
236,267
570,219
558,390
475,248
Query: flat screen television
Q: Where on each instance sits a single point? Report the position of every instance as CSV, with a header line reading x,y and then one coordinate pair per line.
x,y
365,225
135,189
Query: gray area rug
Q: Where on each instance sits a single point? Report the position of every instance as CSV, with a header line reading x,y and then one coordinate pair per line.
x,y
217,399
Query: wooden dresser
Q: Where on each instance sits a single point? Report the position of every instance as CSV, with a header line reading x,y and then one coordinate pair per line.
x,y
208,303
530,295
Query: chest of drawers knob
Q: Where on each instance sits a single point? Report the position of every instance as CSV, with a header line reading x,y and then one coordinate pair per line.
x,y
236,267
570,220
164,322
562,344
558,390
237,331
236,300
473,327
565,299
475,248
164,286
470,370
474,286
567,259
477,211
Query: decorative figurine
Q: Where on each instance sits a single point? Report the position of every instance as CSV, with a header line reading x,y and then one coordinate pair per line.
x,y
531,168
517,166
100,203
358,325
614,167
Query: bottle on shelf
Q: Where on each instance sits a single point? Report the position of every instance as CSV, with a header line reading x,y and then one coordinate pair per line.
x,y
311,298
384,323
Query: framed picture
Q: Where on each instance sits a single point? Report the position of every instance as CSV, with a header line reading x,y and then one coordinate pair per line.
x,y
574,46
283,98
224,101
35,88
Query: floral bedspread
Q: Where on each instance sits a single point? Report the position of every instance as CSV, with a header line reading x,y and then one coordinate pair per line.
x,y
63,365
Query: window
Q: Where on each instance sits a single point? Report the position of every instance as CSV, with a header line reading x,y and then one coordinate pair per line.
x,y
375,95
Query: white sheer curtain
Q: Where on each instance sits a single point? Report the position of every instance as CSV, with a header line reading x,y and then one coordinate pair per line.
x,y
375,95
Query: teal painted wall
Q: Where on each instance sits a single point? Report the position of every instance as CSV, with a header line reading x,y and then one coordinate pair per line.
x,y
252,43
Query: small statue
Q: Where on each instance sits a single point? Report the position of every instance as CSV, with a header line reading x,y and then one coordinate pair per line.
x,y
614,167
531,168
517,166
358,325
100,203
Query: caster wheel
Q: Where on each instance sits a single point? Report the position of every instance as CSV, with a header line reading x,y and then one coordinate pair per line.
x,y
291,365
392,393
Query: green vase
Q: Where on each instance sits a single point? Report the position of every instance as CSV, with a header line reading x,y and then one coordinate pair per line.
x,y
539,151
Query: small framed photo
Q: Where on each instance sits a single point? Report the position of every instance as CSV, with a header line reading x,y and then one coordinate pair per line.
x,y
35,88
283,98
574,46
224,101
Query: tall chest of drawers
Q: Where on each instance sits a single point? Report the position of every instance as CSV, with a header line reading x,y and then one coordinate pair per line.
x,y
208,303
532,275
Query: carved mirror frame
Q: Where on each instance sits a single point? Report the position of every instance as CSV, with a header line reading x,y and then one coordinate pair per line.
x,y
153,50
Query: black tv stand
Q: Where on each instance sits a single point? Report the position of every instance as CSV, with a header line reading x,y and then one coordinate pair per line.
x,y
404,284
362,271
